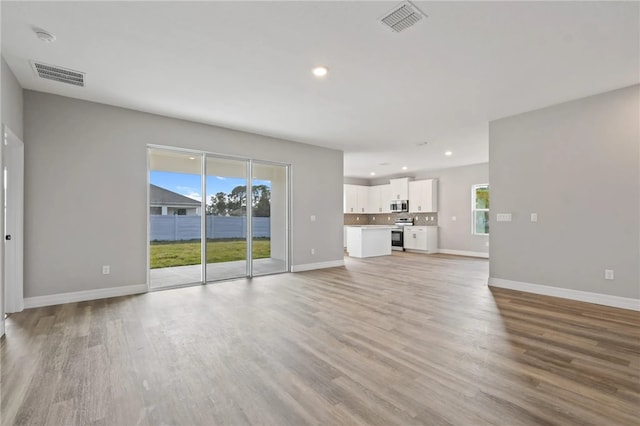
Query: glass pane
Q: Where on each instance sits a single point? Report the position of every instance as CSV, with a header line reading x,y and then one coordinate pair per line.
x,y
175,218
226,218
481,222
269,230
482,197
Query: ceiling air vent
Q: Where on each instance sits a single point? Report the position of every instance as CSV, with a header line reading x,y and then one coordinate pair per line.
x,y
63,75
403,16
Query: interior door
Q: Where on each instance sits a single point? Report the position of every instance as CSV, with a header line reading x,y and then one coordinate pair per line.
x,y
13,170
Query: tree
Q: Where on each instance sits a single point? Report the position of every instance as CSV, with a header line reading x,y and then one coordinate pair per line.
x,y
237,201
218,204
262,201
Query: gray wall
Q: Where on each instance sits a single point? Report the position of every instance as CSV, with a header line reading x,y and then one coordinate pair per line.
x,y
454,199
81,158
577,165
358,181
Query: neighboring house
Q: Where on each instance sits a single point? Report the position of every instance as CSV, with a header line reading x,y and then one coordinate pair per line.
x,y
164,202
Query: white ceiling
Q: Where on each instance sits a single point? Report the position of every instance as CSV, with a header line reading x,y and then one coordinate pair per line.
x,y
247,66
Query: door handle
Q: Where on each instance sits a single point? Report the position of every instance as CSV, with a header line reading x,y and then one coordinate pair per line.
x,y
7,237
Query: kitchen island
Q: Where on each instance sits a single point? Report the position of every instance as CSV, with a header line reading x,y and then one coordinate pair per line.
x,y
369,240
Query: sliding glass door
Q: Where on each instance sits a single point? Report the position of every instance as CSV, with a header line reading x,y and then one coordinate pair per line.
x,y
226,218
215,218
175,210
269,230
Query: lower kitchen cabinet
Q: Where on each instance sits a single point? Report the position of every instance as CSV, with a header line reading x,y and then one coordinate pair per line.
x,y
421,238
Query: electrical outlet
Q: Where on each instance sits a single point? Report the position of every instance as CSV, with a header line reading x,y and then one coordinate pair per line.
x,y
313,251
106,269
608,274
374,218
313,218
534,217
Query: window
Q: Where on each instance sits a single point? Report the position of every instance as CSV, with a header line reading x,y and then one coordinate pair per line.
x,y
480,209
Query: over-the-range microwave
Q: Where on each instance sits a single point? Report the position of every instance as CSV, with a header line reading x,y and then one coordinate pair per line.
x,y
400,206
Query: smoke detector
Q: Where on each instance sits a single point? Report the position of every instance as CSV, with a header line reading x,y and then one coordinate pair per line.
x,y
403,16
44,36
56,73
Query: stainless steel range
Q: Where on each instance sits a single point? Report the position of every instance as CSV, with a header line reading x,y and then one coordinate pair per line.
x,y
397,235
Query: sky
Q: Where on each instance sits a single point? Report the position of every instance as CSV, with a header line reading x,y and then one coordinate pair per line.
x,y
189,184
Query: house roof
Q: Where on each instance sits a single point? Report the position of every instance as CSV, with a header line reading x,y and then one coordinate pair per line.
x,y
160,195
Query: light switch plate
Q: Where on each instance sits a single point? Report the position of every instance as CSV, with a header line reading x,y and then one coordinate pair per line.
x,y
534,217
503,217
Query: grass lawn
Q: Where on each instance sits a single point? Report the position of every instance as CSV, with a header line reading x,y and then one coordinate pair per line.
x,y
181,253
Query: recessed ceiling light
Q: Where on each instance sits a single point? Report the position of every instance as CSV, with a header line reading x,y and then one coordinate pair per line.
x,y
404,167
45,36
192,158
372,173
320,71
448,153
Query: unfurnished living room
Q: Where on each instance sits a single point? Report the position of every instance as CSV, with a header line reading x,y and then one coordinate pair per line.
x,y
320,213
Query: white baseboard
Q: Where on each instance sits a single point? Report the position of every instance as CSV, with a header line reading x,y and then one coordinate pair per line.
x,y
464,253
319,265
565,293
81,296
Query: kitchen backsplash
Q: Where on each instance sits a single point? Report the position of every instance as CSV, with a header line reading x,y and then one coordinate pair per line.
x,y
419,219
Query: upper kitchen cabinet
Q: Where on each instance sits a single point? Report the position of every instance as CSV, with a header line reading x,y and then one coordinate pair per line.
x,y
399,189
379,199
356,198
423,196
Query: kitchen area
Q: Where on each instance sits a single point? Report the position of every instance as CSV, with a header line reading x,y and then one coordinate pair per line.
x,y
401,215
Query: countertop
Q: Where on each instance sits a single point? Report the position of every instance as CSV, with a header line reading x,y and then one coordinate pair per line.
x,y
371,226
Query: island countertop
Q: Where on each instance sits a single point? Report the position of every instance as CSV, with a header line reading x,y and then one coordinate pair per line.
x,y
369,240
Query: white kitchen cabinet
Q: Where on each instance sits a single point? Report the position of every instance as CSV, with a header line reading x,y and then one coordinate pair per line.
x,y
421,238
350,199
363,199
355,198
345,237
379,199
385,198
423,196
399,189
369,241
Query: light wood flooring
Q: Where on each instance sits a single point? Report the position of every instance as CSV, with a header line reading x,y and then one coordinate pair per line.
x,y
405,339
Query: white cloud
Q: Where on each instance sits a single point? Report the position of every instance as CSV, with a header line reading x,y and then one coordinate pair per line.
x,y
184,189
193,195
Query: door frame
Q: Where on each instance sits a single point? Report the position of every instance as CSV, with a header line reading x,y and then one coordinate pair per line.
x,y
13,223
249,236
